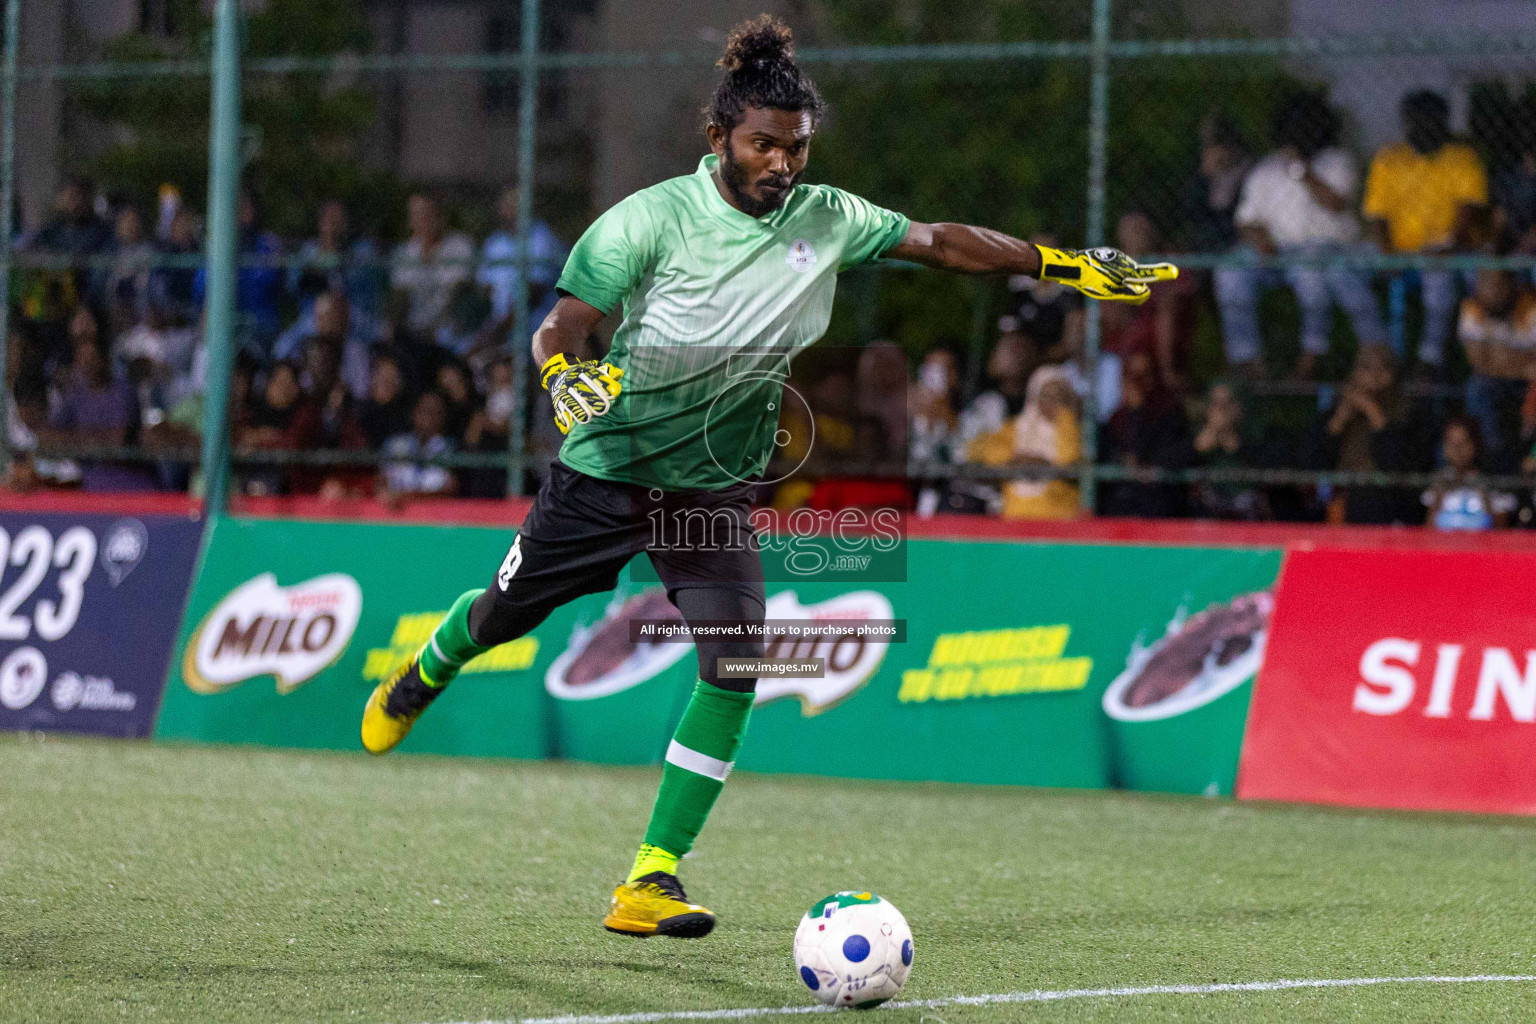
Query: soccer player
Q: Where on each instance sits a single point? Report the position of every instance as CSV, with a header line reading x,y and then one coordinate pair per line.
x,y
722,275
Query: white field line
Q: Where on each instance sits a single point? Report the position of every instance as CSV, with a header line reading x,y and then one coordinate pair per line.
x,y
1033,996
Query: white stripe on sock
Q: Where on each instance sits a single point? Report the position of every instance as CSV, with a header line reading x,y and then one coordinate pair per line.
x,y
699,764
439,652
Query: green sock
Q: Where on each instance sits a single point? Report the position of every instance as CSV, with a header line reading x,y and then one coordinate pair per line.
x,y
698,760
450,647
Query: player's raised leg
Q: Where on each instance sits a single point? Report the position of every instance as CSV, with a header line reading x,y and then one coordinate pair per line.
x,y
398,701
651,901
577,537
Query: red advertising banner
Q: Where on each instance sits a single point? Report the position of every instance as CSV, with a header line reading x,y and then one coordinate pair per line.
x,y
1398,679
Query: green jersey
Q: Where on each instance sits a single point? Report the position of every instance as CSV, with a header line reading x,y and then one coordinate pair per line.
x,y
715,304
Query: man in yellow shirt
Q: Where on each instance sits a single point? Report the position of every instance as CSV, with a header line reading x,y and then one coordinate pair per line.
x,y
1424,195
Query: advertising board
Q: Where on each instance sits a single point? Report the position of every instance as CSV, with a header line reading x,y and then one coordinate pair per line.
x,y
88,611
1398,679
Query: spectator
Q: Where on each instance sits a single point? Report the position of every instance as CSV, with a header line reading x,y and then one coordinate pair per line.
x,y
880,391
126,287
86,326
429,269
1222,443
1008,370
331,315
490,426
1049,314
424,440
50,292
1298,204
259,279
1045,435
1514,187
1459,500
500,268
276,411
336,260
933,419
156,357
75,233
490,430
1209,197
321,378
1160,327
1371,429
463,402
28,420
1425,196
1147,433
175,288
1497,330
97,407
169,349
386,410
931,403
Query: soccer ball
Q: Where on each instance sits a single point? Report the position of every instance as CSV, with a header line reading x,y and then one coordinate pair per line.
x,y
853,949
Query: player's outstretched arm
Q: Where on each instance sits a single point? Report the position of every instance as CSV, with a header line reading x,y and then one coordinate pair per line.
x,y
1101,273
581,390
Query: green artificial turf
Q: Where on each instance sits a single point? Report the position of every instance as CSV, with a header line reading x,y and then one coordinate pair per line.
x,y
158,883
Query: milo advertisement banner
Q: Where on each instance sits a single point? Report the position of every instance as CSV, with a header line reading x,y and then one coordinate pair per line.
x,y
1063,665
291,624
88,612
1030,664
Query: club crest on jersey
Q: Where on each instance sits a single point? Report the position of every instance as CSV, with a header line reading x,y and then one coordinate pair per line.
x,y
801,257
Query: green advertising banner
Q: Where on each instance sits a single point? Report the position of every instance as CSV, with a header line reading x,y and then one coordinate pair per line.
x,y
1010,651
291,624
1031,664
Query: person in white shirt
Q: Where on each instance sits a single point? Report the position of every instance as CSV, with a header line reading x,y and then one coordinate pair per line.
x,y
428,269
1299,203
425,440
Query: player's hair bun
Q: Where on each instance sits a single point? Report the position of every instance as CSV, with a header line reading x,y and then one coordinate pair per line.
x,y
763,40
760,71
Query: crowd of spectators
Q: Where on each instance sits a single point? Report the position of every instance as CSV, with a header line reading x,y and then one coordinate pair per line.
x,y
343,345
348,344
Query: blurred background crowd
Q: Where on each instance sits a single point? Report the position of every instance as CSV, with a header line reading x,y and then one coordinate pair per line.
x,y
382,335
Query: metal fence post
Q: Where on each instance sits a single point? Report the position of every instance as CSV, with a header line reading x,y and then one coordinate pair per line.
x,y
7,210
223,187
522,330
1098,144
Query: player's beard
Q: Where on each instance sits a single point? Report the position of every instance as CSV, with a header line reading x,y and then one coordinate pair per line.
x,y
734,176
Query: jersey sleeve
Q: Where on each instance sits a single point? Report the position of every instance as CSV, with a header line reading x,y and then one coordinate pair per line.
x,y
869,231
611,256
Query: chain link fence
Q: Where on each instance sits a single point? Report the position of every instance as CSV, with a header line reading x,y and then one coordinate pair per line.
x,y
1356,269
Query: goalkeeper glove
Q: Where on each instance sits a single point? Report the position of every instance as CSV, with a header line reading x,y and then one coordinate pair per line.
x,y
1103,273
581,391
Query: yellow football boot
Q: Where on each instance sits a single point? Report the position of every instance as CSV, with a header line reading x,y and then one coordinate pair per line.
x,y
394,706
655,904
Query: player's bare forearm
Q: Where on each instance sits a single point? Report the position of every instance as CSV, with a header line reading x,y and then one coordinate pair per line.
x,y
565,330
966,249
1100,273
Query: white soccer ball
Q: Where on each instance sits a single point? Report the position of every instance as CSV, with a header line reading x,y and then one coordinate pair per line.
x,y
853,949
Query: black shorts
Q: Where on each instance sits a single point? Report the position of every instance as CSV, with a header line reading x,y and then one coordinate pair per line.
x,y
581,531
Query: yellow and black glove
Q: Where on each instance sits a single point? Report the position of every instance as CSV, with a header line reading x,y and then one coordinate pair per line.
x,y
1103,273
581,391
